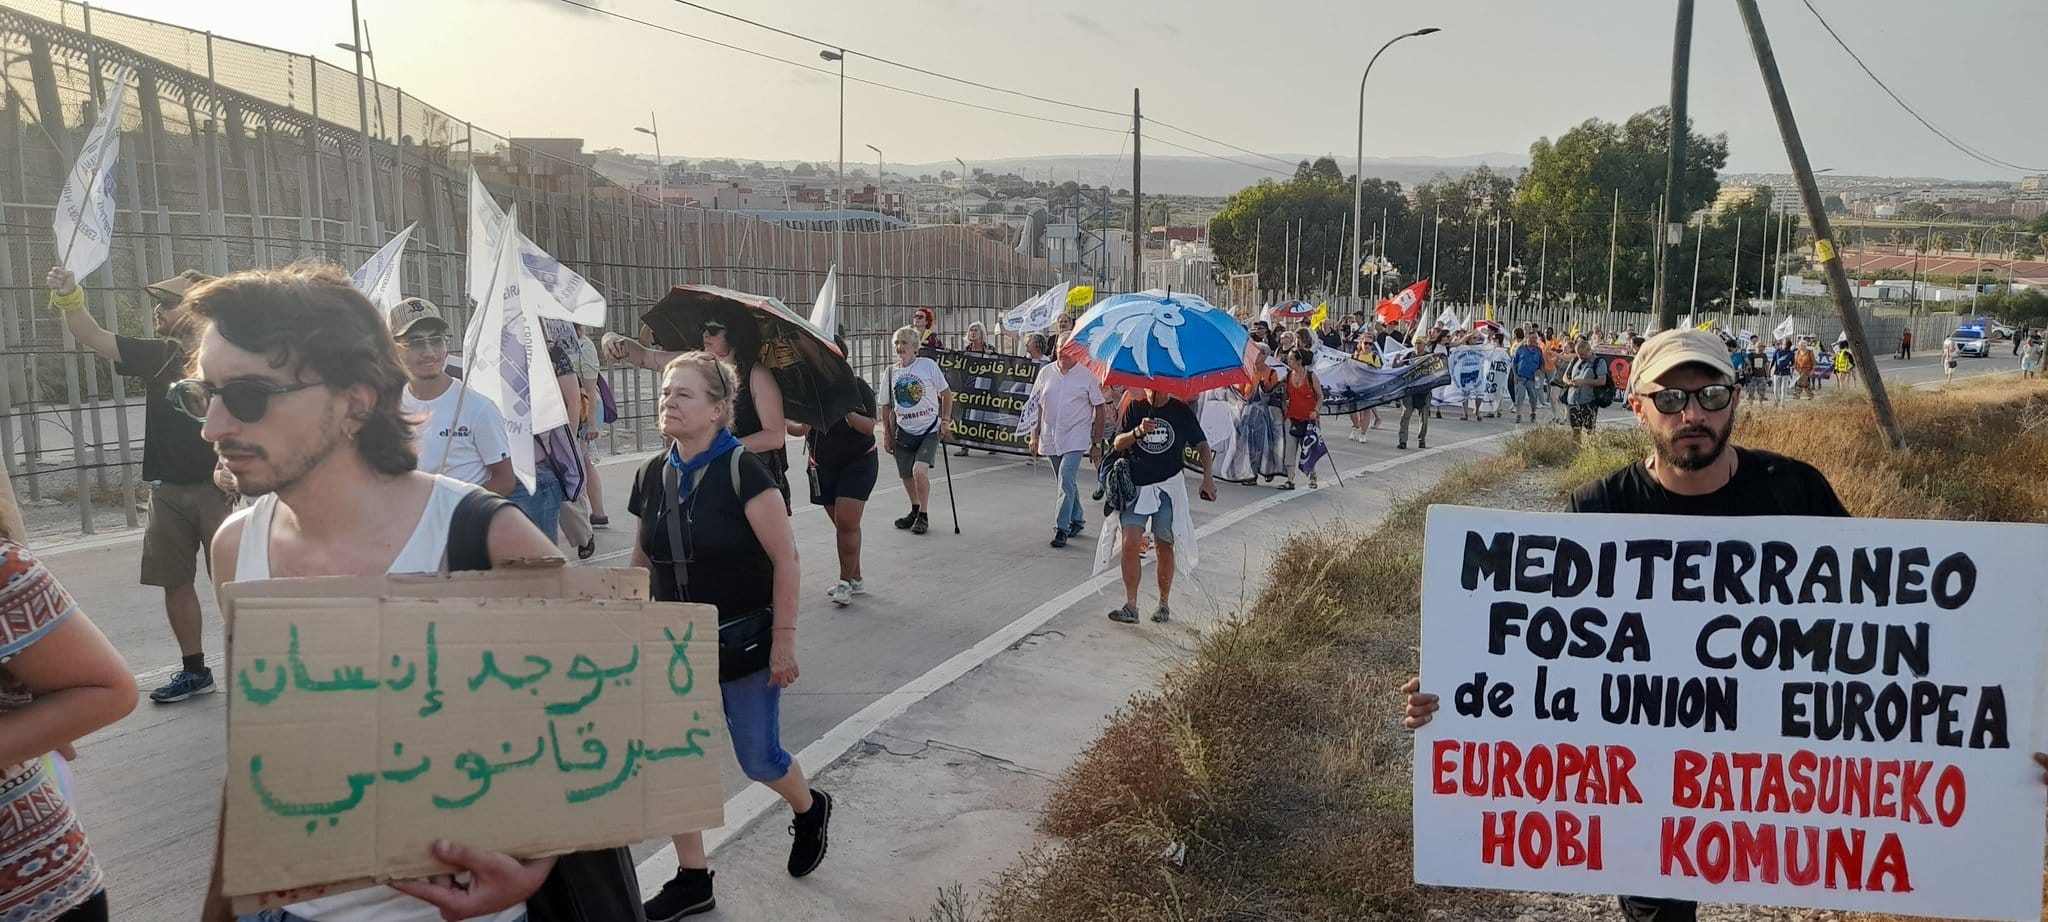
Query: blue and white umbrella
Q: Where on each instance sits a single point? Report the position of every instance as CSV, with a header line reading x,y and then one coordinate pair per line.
x,y
1176,344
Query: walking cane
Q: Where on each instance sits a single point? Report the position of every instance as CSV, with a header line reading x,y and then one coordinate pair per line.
x,y
947,459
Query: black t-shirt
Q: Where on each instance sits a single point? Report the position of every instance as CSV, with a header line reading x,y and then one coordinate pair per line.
x,y
1157,457
841,445
728,567
746,420
172,450
1765,483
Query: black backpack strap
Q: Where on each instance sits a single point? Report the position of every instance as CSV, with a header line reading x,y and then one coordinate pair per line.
x,y
672,519
469,530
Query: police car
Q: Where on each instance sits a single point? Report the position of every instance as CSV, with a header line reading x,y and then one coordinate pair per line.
x,y
1969,339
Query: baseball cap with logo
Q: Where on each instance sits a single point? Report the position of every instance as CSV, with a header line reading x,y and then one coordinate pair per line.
x,y
1665,351
412,311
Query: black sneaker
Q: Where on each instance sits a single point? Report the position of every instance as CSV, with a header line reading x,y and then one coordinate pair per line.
x,y
921,525
184,685
810,830
686,894
1124,615
908,519
1059,537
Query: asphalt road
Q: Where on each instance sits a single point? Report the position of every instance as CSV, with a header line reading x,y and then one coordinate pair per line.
x,y
148,786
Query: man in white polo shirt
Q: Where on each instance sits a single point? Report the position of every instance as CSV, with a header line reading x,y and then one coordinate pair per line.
x,y
1070,413
474,445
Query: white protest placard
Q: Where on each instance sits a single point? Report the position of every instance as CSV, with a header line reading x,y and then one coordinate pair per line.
x,y
361,730
1819,712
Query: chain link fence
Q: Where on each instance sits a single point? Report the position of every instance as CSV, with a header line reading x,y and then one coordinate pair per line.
x,y
235,155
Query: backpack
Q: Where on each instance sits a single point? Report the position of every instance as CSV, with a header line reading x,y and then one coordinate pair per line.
x,y
591,886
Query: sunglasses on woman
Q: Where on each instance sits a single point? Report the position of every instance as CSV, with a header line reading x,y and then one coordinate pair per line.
x,y
245,400
1712,398
714,329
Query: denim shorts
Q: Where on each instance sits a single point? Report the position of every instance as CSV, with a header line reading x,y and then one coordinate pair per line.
x,y
753,718
1161,520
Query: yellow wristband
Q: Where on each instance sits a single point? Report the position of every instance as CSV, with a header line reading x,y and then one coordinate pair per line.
x,y
74,301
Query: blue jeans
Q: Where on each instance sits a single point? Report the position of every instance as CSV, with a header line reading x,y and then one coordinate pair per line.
x,y
1069,517
753,719
544,504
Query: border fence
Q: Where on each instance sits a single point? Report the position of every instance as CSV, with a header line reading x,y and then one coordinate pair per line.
x,y
235,155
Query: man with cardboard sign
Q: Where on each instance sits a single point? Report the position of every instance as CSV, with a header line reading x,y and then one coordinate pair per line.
x,y
1744,698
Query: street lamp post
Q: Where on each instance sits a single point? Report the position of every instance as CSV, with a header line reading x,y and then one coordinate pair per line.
x,y
363,122
960,201
878,176
839,223
660,172
1358,180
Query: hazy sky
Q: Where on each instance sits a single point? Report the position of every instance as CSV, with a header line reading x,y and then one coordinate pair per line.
x,y
1279,76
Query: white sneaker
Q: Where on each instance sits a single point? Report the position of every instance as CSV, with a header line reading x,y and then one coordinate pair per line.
x,y
841,593
859,587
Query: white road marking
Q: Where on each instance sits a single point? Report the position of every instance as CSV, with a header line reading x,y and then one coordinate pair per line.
x,y
748,805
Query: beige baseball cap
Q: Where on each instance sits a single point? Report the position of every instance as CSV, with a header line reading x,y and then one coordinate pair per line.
x,y
172,290
1665,351
411,311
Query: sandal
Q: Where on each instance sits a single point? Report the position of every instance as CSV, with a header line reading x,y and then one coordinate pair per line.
x,y
1287,485
588,548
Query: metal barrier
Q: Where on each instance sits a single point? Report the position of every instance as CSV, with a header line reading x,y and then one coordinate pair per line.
x,y
235,155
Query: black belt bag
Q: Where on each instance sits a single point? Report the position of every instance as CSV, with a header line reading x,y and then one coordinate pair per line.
x,y
745,642
908,443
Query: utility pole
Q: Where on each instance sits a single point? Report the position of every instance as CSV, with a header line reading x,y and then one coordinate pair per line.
x,y
1137,196
1823,234
1674,169
363,122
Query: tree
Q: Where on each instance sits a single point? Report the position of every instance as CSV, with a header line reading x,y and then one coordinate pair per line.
x,y
1833,204
1450,211
1256,229
1941,242
1571,184
804,171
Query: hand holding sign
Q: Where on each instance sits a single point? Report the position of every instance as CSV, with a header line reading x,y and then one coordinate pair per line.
x,y
497,882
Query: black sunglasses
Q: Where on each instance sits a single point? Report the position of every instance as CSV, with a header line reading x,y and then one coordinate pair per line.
x,y
245,400
1712,398
714,329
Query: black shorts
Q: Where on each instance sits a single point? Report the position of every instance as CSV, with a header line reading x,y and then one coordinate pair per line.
x,y
854,480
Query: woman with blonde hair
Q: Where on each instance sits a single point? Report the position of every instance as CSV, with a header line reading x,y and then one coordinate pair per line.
x,y
60,680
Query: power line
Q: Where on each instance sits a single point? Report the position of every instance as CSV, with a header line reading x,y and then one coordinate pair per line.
x,y
1241,163
835,74
1966,149
1289,164
882,60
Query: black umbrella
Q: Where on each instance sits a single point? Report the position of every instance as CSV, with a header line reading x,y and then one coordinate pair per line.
x,y
817,383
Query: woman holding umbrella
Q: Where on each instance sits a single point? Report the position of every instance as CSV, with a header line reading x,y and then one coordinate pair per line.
x,y
923,320
730,335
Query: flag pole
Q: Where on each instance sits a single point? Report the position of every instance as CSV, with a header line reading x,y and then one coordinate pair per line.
x,y
476,335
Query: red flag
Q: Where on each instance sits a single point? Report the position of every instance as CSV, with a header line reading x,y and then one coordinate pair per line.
x,y
1404,306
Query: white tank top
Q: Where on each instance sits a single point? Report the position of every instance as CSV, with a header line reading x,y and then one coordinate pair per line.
x,y
422,554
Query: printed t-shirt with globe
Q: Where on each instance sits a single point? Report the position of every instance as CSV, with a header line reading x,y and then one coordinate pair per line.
x,y
915,390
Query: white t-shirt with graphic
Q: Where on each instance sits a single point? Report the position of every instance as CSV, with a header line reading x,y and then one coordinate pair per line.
x,y
479,436
914,391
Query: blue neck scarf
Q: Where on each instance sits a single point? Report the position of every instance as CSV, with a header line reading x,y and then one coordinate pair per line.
x,y
725,441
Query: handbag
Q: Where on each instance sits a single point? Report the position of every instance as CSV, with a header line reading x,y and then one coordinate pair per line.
x,y
906,443
743,642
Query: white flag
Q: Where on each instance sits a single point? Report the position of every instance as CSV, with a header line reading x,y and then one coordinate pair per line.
x,y
1783,330
380,278
511,365
1039,312
825,310
1448,319
84,221
557,291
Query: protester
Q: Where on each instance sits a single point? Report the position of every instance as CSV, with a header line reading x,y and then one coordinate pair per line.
x,y
1756,372
1414,404
738,554
2030,357
1949,354
1587,378
60,680
588,511
469,447
1782,369
1528,386
557,452
185,505
1304,401
1845,366
977,343
729,333
1153,439
1905,344
915,419
299,389
843,468
1682,392
1071,409
1804,361
1262,427
1036,349
925,321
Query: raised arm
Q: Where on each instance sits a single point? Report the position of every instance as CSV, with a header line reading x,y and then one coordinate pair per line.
x,y
69,299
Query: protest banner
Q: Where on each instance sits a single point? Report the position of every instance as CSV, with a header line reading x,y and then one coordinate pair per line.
x,y
363,728
1816,712
990,391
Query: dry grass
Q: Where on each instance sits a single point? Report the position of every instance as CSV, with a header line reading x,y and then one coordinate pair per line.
x,y
1268,777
